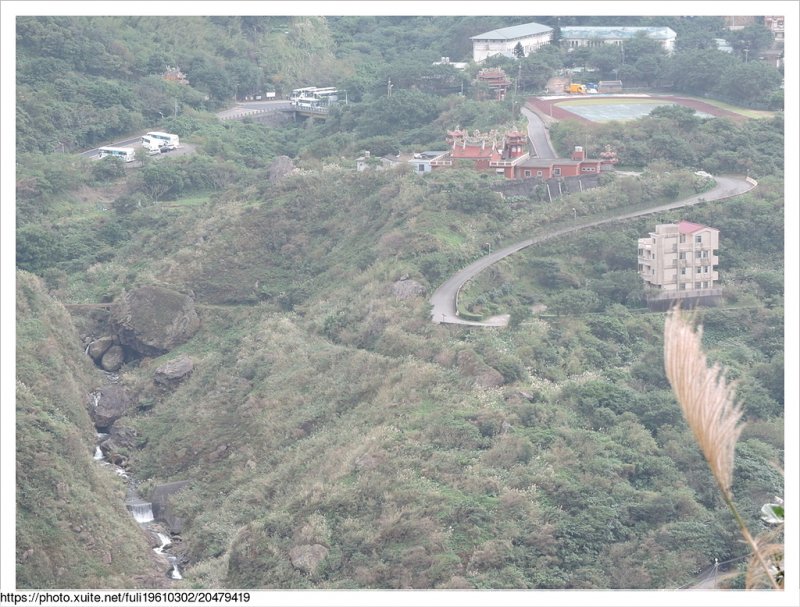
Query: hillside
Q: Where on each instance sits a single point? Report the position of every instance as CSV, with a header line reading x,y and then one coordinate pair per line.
x,y
71,520
330,435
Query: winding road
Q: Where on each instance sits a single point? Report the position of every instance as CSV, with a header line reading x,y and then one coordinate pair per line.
x,y
445,299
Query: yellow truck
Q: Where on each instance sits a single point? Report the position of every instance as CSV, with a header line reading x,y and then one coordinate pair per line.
x,y
575,88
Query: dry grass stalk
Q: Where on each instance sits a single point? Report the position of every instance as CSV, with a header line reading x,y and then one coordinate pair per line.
x,y
708,404
770,550
706,399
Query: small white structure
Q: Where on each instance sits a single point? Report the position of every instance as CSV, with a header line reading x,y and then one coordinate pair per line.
x,y
421,162
502,41
584,35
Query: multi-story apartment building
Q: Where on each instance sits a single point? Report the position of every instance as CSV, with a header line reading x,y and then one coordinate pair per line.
x,y
679,260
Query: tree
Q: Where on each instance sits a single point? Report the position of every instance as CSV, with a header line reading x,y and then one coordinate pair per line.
x,y
754,38
697,71
748,83
519,52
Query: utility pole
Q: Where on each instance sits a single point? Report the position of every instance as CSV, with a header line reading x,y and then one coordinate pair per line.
x,y
389,87
746,51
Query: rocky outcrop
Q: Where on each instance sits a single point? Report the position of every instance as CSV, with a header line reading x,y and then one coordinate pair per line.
x,y
113,358
122,439
108,404
99,347
307,557
153,320
472,366
173,372
406,288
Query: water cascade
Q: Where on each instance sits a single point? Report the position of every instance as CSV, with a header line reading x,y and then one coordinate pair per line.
x,y
98,454
175,574
142,511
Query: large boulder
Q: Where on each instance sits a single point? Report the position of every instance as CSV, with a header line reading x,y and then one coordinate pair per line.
x,y
108,404
307,557
174,371
100,346
113,358
153,320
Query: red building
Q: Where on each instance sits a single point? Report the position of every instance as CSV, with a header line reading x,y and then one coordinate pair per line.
x,y
486,151
547,168
509,156
496,79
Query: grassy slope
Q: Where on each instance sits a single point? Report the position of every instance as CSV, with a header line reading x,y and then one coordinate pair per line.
x,y
355,423
73,530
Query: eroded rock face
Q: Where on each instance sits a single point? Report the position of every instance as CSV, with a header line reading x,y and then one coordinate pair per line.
x,y
174,371
307,557
153,320
112,403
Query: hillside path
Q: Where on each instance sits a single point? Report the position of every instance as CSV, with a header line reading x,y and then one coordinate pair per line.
x,y
445,299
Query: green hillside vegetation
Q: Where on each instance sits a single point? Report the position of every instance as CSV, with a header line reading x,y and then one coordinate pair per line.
x,y
71,520
326,410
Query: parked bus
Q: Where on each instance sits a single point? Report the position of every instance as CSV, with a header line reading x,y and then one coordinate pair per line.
x,y
304,92
153,145
125,154
168,139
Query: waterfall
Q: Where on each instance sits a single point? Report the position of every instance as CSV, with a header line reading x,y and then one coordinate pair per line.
x,y
175,575
165,541
98,454
142,512
95,399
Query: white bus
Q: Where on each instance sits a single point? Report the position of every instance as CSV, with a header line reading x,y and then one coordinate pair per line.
x,y
169,140
304,92
125,154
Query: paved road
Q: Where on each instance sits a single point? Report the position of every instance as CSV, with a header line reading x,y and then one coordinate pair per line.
x,y
445,299
538,136
246,108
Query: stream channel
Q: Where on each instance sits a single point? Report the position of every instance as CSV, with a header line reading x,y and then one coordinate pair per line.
x,y
141,510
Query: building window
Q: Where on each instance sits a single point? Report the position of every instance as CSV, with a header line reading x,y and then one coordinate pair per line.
x,y
683,271
557,171
683,286
705,284
421,168
683,238
699,269
538,173
527,173
698,238
697,254
697,285
705,254
681,255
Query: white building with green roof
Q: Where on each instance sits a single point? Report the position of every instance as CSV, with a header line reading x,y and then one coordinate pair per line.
x,y
502,41
584,35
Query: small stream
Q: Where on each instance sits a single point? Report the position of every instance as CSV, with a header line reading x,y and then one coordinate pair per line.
x,y
141,510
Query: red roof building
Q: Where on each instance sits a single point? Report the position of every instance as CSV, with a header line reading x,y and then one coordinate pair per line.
x,y
548,168
509,155
496,79
486,150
